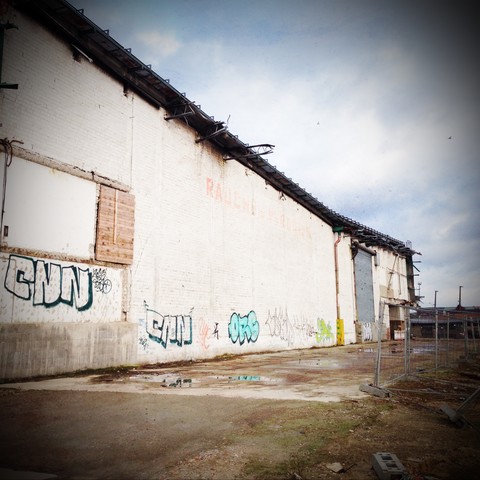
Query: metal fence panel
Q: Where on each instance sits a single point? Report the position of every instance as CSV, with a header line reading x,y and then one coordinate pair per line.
x,y
429,344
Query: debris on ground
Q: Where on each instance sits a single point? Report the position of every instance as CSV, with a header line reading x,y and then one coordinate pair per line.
x,y
335,467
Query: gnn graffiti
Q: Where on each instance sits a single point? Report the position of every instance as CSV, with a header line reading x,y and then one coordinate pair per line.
x,y
165,329
49,284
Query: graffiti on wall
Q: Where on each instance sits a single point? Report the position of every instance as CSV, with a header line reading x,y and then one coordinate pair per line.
x,y
367,332
324,331
204,333
168,329
49,284
237,200
280,326
289,330
204,330
304,328
243,328
100,281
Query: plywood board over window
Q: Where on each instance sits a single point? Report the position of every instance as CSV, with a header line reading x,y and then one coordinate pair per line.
x,y
115,226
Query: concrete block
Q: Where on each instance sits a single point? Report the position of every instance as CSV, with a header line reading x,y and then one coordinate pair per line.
x,y
387,466
453,415
372,390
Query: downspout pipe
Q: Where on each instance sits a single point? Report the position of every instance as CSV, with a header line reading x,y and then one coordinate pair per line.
x,y
339,231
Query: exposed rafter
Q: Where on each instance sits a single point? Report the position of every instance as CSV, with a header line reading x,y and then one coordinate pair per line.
x,y
214,129
252,151
180,110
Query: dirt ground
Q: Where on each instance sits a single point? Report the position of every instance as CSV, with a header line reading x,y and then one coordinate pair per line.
x,y
228,420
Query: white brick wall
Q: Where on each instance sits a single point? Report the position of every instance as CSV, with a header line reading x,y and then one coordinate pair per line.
x,y
212,240
391,275
222,264
346,294
66,110
49,211
41,290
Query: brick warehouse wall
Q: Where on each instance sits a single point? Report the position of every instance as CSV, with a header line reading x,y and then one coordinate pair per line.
x,y
60,309
220,261
215,241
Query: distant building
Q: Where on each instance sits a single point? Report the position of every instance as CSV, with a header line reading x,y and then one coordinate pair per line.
x,y
136,228
452,322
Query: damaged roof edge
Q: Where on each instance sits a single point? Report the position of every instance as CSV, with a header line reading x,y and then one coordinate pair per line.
x,y
85,35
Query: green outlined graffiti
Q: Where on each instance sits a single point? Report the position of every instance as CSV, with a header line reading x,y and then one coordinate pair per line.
x,y
324,331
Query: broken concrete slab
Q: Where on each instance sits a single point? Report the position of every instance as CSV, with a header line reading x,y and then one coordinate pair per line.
x,y
456,416
373,390
335,467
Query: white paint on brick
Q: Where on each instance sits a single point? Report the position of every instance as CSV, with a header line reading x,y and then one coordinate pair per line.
x,y
66,110
39,290
346,294
48,210
222,262
212,240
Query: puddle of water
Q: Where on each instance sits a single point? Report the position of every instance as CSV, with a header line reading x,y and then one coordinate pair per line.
x,y
246,378
181,382
423,349
321,363
167,381
174,381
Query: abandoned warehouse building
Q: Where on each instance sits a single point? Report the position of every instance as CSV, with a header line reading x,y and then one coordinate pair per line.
x,y
135,228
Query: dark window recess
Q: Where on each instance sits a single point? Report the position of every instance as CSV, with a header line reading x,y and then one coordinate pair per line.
x,y
3,27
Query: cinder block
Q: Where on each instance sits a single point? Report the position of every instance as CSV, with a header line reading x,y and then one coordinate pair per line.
x,y
376,391
387,466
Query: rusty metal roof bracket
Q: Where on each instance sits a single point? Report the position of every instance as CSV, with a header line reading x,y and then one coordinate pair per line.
x,y
179,111
219,127
254,151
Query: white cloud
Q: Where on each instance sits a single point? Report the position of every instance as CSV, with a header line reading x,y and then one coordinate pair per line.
x,y
158,44
360,101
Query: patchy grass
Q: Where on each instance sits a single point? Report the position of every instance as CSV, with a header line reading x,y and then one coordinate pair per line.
x,y
296,441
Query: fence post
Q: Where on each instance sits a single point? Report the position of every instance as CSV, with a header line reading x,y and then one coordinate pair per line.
x,y
406,355
465,336
436,340
472,323
376,380
448,340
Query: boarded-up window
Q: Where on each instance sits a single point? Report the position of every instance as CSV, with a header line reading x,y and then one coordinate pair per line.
x,y
115,226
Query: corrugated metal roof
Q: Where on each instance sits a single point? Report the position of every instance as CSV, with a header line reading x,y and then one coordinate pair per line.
x,y
82,33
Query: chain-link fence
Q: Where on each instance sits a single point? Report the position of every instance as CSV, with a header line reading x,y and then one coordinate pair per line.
x,y
429,346
428,342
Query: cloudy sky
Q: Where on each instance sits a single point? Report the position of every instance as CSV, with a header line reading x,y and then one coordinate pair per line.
x,y
373,106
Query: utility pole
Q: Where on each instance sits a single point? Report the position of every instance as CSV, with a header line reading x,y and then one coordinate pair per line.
x,y
436,330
